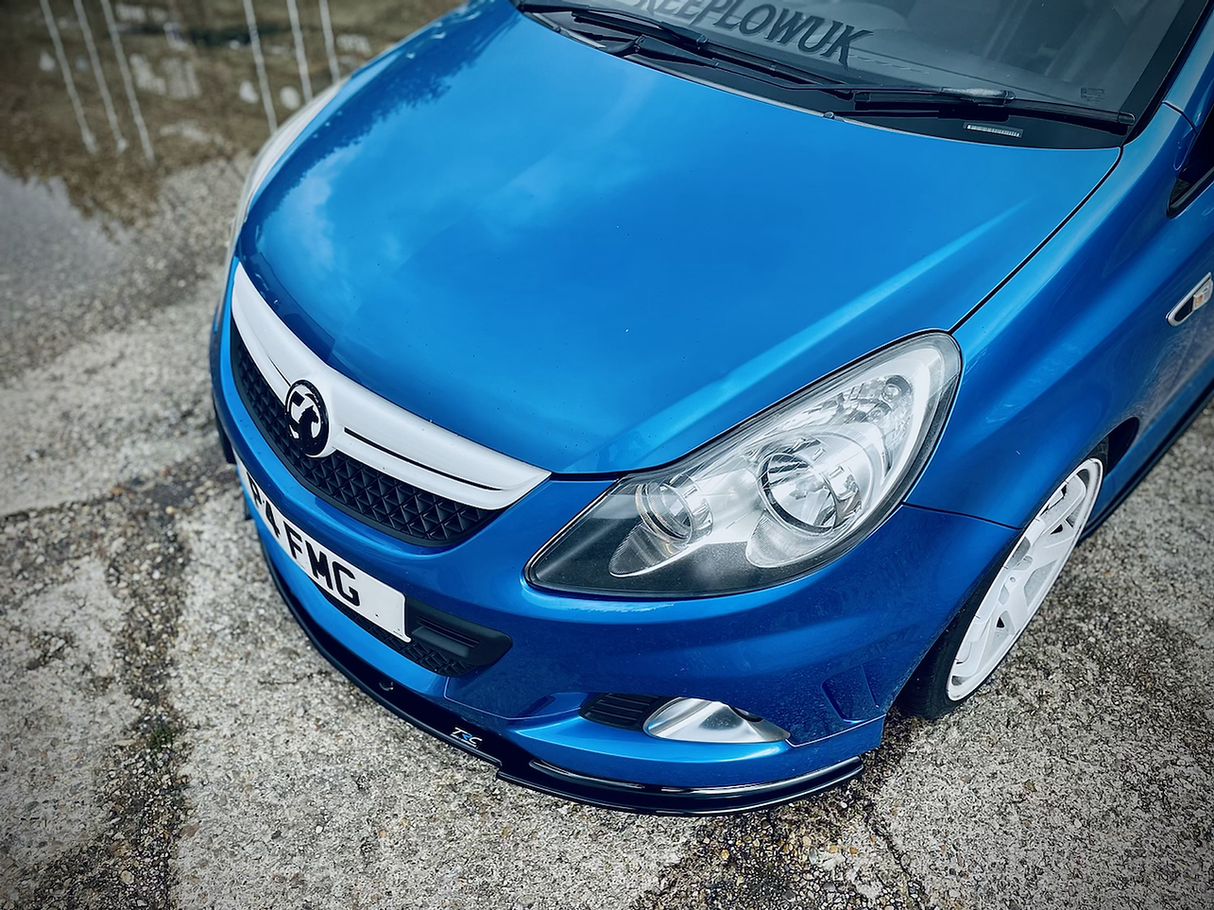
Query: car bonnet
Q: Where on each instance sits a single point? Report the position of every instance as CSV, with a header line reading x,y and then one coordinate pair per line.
x,y
593,266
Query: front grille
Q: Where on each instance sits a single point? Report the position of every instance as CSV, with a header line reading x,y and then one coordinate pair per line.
x,y
619,709
390,505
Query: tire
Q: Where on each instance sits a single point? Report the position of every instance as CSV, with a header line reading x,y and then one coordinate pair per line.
x,y
976,642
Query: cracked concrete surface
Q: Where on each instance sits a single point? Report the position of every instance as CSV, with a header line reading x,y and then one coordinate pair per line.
x,y
168,737
58,643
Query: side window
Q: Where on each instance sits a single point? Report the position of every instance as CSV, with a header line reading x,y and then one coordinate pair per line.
x,y
1198,170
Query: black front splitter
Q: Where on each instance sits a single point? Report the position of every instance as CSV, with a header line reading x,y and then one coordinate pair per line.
x,y
518,766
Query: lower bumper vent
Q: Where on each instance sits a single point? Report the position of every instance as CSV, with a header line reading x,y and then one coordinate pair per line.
x,y
617,709
441,643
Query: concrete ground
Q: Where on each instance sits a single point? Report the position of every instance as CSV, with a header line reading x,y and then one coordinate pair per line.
x,y
168,738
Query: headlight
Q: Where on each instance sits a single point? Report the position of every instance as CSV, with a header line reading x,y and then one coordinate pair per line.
x,y
274,148
787,491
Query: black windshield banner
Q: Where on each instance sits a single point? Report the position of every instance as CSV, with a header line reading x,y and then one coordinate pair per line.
x,y
813,35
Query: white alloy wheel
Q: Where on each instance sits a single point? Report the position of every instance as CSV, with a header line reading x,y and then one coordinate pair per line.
x,y
1025,579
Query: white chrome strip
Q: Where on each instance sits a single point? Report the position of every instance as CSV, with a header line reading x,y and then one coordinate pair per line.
x,y
371,429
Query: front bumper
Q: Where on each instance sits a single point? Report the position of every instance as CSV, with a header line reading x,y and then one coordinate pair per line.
x,y
823,656
516,765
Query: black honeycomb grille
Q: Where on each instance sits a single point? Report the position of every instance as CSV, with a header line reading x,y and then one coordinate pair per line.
x,y
437,661
393,506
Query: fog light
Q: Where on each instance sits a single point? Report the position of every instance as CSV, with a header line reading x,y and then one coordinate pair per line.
x,y
698,721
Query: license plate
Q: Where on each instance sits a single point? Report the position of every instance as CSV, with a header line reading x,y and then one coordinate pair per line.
x,y
369,597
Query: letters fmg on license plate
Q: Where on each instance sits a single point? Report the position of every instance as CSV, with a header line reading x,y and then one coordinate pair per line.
x,y
351,586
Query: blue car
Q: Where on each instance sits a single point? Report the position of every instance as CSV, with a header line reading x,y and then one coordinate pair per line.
x,y
645,396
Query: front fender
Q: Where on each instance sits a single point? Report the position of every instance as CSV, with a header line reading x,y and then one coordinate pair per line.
x,y
1071,345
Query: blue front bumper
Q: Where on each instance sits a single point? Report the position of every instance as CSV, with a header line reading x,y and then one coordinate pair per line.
x,y
823,657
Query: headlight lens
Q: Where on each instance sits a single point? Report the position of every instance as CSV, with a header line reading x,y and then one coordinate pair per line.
x,y
274,148
782,494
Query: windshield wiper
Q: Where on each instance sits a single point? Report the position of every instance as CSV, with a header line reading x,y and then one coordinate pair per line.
x,y
678,43
617,18
704,50
894,100
914,101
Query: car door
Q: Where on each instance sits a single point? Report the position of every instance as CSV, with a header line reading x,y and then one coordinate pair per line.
x,y
1191,229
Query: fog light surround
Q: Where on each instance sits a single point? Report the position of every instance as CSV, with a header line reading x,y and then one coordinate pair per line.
x,y
696,720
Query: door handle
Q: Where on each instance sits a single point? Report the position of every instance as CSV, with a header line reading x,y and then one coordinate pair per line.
x,y
1193,301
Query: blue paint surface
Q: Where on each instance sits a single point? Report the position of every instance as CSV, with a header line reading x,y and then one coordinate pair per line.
x,y
596,267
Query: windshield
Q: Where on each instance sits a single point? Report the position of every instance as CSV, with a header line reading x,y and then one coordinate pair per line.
x,y
1089,52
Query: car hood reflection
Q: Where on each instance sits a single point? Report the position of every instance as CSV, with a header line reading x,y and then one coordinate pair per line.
x,y
594,266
